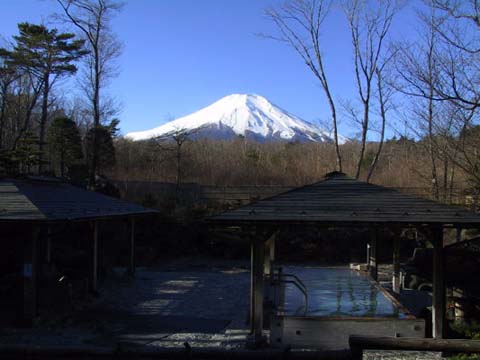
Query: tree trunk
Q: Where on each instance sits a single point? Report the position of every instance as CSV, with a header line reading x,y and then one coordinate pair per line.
x,y
445,179
27,119
3,107
335,127
366,112
96,120
62,164
383,113
43,121
177,180
434,176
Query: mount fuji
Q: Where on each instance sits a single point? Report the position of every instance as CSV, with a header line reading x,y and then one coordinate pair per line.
x,y
248,115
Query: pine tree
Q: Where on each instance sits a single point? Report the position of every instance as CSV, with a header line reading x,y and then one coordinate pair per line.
x,y
64,143
23,158
47,55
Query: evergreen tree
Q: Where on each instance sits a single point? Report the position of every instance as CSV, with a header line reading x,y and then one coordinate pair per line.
x,y
92,18
105,158
48,55
23,158
64,143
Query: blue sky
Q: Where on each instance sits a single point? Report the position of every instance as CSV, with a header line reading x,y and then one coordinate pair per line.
x,y
182,55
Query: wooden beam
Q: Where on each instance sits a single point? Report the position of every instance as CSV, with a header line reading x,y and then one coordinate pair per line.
x,y
360,343
438,291
126,351
95,257
132,247
396,261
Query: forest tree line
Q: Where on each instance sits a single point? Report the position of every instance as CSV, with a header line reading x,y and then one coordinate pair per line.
x,y
43,131
403,164
428,83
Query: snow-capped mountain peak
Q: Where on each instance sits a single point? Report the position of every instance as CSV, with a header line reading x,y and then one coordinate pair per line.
x,y
248,115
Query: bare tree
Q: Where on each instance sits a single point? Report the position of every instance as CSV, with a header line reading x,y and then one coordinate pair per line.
x,y
384,99
457,23
462,143
419,70
369,25
460,11
299,24
178,137
92,19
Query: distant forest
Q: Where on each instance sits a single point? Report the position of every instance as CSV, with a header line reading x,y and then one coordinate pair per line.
x,y
430,83
404,163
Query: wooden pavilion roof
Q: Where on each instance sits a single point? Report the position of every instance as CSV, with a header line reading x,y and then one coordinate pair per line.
x,y
40,200
340,199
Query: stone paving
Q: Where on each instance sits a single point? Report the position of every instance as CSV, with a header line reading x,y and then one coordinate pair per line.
x,y
203,303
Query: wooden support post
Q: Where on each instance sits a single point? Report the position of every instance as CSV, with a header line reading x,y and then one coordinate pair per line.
x,y
258,258
272,249
35,273
459,234
269,254
49,245
438,291
95,257
450,298
368,255
373,262
459,303
132,247
29,277
269,288
267,265
252,289
396,261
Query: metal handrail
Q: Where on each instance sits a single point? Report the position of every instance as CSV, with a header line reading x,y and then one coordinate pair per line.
x,y
303,291
297,283
296,278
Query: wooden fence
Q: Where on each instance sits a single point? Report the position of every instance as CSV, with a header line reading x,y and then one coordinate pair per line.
x,y
242,195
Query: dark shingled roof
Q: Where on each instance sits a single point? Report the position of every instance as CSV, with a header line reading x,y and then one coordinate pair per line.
x,y
38,200
341,199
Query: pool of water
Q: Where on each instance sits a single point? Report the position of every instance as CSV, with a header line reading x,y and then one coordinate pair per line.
x,y
337,292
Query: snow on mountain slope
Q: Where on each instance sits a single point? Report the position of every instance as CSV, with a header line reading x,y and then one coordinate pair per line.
x,y
252,116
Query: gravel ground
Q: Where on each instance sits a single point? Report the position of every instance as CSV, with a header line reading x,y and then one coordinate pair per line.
x,y
203,303
401,355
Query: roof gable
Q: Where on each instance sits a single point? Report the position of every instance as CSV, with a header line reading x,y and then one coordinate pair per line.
x,y
42,200
341,199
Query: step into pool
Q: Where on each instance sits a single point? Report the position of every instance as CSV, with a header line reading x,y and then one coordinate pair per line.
x,y
341,302
338,291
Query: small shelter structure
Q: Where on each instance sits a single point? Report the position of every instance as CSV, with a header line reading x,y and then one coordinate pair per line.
x,y
341,201
33,209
